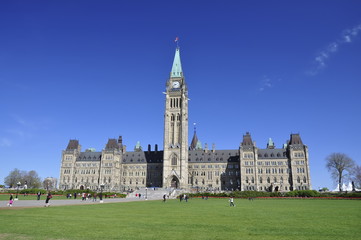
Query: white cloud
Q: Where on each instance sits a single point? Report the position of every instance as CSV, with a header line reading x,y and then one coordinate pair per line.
x,y
265,83
347,36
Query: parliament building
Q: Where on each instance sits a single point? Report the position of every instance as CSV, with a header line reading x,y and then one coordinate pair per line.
x,y
186,166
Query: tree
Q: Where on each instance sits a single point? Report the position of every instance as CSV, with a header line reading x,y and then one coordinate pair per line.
x,y
324,189
13,178
48,184
356,176
31,178
338,164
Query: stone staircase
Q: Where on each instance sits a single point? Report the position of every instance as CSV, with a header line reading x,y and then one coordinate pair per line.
x,y
156,193
152,193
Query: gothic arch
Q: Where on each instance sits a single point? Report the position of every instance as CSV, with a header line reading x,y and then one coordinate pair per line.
x,y
174,159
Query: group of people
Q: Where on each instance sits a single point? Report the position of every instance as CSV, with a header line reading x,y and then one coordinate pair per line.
x,y
47,204
183,197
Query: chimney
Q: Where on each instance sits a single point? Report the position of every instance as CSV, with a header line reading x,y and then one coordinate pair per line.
x,y
156,148
149,148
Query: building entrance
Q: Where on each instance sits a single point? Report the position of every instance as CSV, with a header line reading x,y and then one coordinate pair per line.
x,y
174,183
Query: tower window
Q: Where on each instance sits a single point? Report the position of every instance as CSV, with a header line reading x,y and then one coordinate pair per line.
x,y
174,160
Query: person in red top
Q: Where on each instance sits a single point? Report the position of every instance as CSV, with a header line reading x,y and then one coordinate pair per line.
x,y
48,197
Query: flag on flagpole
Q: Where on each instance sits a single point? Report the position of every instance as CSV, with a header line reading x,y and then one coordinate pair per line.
x,y
176,39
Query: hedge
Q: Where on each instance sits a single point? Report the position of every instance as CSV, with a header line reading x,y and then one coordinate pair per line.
x,y
296,193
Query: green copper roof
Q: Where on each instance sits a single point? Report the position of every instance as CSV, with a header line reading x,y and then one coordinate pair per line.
x,y
177,66
138,147
199,145
270,144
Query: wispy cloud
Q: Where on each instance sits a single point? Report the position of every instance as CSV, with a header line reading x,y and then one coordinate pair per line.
x,y
347,36
265,83
268,82
4,142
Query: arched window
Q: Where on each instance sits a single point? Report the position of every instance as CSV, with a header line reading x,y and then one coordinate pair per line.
x,y
174,160
260,180
298,179
304,179
268,180
247,180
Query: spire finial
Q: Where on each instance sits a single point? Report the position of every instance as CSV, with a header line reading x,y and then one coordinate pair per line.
x,y
194,127
176,41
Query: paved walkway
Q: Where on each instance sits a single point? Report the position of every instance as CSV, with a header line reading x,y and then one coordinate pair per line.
x,y
41,203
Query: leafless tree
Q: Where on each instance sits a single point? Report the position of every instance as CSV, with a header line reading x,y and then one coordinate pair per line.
x,y
356,176
339,164
13,178
30,179
48,184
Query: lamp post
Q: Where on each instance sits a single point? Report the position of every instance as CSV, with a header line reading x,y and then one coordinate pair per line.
x,y
17,190
146,193
101,193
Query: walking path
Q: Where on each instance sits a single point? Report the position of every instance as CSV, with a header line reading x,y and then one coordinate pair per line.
x,y
41,203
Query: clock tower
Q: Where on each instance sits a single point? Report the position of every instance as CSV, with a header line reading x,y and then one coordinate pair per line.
x,y
175,158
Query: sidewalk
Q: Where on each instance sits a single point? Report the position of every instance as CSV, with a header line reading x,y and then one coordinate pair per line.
x,y
41,203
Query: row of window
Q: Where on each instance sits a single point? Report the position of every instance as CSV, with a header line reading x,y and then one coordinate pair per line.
x,y
248,155
209,159
137,167
85,171
196,154
87,180
131,181
298,154
134,173
300,162
87,165
203,182
211,166
268,180
175,102
272,155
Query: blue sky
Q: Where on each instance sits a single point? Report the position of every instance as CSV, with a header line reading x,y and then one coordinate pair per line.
x,y
93,70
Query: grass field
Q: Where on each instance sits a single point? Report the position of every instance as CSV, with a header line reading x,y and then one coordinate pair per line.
x,y
197,219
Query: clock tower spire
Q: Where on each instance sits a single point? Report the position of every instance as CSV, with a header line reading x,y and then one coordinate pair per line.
x,y
175,158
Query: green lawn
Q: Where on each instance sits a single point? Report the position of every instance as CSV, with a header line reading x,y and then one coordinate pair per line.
x,y
197,219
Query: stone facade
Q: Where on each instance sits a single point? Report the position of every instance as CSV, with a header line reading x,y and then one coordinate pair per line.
x,y
180,165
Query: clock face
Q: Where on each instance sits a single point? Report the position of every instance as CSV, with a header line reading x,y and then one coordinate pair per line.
x,y
176,84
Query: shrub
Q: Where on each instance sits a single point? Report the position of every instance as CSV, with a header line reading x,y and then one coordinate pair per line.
x,y
302,193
